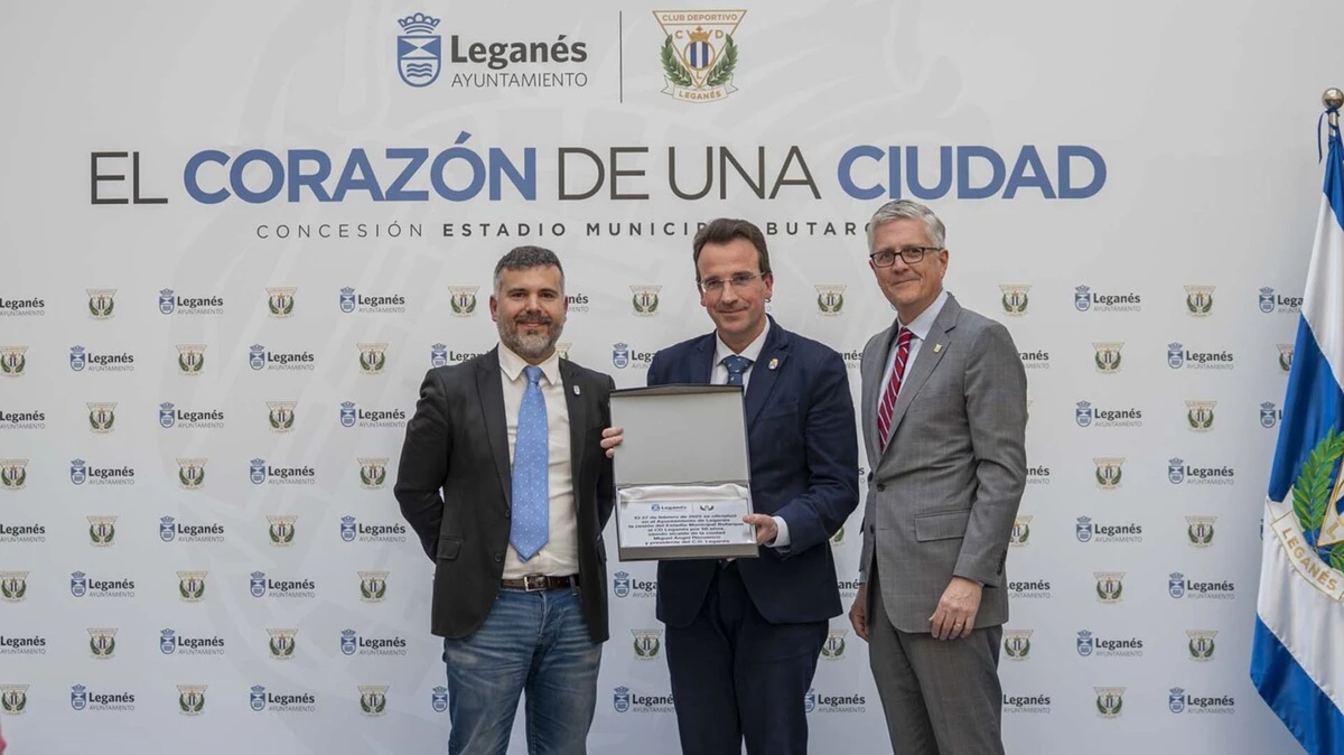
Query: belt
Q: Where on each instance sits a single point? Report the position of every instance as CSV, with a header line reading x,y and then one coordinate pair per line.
x,y
535,582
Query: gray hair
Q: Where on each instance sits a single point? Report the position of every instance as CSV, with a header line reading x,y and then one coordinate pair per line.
x,y
904,209
524,257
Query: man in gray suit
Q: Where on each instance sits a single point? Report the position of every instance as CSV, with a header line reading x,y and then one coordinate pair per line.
x,y
944,417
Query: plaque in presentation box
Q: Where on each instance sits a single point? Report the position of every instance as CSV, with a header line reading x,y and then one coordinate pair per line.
x,y
682,473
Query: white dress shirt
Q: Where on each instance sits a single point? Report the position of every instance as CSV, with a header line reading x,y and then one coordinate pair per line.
x,y
559,557
919,331
719,376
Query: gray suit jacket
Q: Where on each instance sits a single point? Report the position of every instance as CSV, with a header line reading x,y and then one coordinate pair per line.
x,y
942,498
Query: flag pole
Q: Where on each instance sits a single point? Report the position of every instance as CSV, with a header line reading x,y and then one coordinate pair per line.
x,y
1333,99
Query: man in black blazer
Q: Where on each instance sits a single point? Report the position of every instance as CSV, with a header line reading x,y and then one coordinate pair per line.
x,y
743,636
503,479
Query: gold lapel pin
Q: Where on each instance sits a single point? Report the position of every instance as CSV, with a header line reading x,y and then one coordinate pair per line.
x,y
773,363
937,347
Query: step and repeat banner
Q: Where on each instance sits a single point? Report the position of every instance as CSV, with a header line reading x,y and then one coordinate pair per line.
x,y
236,236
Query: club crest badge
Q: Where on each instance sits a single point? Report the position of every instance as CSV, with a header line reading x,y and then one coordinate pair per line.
x,y
102,416
1110,701
280,415
280,301
462,299
13,360
373,699
699,54
1014,298
1107,357
1017,644
372,357
102,302
280,528
830,299
1201,644
1199,300
191,699
190,358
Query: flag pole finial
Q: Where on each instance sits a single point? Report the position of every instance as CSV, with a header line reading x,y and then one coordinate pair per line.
x,y
1333,99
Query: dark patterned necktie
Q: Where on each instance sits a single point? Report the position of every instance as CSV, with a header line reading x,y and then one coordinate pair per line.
x,y
737,367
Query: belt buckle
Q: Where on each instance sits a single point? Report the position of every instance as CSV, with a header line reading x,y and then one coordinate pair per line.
x,y
534,582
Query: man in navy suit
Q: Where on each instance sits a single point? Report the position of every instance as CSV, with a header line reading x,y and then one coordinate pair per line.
x,y
743,636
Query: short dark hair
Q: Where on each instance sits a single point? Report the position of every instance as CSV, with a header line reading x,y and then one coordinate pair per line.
x,y
524,257
723,230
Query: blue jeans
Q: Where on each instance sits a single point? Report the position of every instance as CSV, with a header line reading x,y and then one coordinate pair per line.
x,y
533,642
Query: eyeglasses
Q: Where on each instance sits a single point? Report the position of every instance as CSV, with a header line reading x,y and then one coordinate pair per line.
x,y
738,280
911,254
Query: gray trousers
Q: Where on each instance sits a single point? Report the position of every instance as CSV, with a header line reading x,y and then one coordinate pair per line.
x,y
940,697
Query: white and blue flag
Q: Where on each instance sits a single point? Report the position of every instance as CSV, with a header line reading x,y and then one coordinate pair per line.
x,y
1297,660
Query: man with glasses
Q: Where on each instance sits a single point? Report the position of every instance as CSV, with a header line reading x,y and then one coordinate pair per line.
x,y
944,411
743,636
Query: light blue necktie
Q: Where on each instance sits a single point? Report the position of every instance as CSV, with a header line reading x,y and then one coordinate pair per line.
x,y
530,528
737,366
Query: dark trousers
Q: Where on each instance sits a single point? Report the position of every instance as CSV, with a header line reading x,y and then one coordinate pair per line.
x,y
735,675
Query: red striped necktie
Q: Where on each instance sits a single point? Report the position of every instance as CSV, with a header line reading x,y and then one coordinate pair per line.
x,y
893,387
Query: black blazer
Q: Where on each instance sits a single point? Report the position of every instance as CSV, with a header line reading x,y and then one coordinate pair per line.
x,y
458,443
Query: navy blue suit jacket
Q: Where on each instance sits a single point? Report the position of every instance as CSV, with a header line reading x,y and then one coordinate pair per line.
x,y
804,469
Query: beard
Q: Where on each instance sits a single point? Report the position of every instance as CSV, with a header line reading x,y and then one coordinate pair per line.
x,y
530,346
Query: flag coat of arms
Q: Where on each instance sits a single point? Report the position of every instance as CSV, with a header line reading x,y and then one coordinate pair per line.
x,y
1296,659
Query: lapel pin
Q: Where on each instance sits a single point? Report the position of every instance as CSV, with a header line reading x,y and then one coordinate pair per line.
x,y
576,390
937,347
773,363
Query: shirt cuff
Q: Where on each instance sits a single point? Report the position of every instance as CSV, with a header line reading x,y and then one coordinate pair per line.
x,y
781,541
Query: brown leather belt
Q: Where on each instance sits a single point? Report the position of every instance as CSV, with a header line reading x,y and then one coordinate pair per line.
x,y
535,582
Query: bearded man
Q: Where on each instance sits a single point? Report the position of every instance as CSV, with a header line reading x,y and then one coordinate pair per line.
x,y
503,479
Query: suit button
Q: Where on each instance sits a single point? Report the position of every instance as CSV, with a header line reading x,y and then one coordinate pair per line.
x,y
499,558
881,487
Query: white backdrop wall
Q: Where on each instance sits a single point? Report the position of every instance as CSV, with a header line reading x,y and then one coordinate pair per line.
x,y
1133,574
